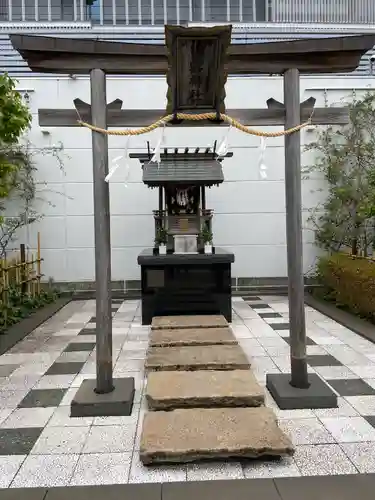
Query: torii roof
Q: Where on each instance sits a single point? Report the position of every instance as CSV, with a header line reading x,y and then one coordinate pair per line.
x,y
79,56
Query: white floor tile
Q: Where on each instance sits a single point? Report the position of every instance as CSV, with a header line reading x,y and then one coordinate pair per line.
x,y
306,431
61,418
9,466
347,355
210,471
55,382
365,405
28,417
335,372
320,460
69,440
102,468
344,410
110,439
155,474
4,413
270,321
45,471
364,371
267,469
349,429
362,455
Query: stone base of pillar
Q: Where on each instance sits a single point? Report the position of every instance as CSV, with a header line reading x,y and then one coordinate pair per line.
x,y
287,397
117,403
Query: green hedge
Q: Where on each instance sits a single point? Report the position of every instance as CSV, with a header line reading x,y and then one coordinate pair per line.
x,y
349,282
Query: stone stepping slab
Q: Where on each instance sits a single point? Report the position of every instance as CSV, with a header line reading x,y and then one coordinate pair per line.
x,y
189,435
187,358
191,336
200,321
171,390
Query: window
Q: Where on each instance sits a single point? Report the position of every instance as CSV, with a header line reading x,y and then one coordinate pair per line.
x,y
93,11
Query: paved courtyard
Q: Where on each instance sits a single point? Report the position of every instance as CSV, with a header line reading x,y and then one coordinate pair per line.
x,y
40,445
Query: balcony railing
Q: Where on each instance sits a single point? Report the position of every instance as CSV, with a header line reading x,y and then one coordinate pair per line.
x,y
159,12
324,11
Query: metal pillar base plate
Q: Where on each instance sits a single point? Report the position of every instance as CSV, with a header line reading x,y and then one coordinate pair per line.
x,y
318,395
118,403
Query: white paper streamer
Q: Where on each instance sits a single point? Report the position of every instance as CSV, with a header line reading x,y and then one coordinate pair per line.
x,y
222,150
262,165
127,175
156,152
116,161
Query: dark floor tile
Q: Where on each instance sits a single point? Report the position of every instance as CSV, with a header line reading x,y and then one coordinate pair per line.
x,y
279,326
349,487
370,420
93,318
351,387
87,331
65,368
117,301
323,360
308,340
259,305
270,315
115,492
42,398
23,494
18,441
238,489
80,346
6,370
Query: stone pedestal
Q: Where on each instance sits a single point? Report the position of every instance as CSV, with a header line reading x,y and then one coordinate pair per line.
x,y
185,284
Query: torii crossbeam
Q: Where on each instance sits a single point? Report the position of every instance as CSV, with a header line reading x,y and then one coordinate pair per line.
x,y
322,55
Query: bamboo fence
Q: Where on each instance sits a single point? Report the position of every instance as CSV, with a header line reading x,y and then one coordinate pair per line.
x,y
20,272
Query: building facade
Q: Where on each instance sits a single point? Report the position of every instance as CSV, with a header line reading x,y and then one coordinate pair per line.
x,y
250,210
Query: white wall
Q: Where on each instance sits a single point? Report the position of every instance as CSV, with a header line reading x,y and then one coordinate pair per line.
x,y
249,212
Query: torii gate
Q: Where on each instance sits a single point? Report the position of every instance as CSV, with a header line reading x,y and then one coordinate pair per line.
x,y
96,58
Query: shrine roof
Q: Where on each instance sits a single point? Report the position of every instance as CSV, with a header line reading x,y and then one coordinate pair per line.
x,y
206,172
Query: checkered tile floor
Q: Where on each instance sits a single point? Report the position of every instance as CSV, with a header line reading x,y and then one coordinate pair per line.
x,y
40,445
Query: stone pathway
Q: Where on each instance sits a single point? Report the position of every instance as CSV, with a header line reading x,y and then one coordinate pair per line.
x,y
207,357
191,337
222,415
40,445
201,389
188,435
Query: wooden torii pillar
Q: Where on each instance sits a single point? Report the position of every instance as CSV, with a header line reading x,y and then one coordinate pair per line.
x,y
295,390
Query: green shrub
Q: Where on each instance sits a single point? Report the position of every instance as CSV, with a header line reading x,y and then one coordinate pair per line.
x,y
349,282
20,306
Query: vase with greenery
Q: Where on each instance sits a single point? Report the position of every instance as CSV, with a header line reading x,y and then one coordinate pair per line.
x,y
206,238
161,240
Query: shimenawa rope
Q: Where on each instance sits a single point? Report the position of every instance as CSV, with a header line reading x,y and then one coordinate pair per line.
x,y
196,117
